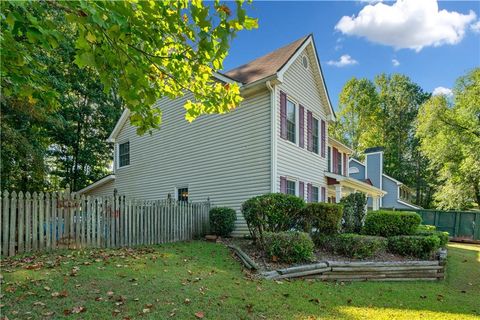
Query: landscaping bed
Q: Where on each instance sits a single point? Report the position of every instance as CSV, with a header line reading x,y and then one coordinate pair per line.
x,y
294,239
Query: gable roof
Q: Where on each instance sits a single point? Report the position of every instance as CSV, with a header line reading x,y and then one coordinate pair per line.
x,y
272,64
98,183
266,65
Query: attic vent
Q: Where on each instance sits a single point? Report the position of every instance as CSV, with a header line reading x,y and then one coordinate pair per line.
x,y
305,62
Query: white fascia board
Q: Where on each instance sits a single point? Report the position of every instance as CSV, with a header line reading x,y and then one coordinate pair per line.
x,y
309,41
97,184
119,125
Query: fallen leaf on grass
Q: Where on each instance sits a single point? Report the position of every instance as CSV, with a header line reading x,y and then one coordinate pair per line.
x,y
423,297
186,301
39,303
74,310
109,293
199,315
48,314
46,288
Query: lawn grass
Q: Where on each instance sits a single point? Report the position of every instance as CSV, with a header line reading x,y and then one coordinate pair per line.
x,y
180,280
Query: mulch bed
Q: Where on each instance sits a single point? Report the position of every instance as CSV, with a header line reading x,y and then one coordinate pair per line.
x,y
265,264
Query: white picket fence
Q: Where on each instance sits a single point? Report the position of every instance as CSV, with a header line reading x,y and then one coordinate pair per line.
x,y
46,221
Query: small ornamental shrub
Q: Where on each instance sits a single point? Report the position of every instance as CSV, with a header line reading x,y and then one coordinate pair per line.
x,y
289,246
222,221
423,247
391,223
271,212
321,218
354,212
443,236
352,245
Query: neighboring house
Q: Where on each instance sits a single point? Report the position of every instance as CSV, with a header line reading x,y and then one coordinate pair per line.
x,y
372,170
275,141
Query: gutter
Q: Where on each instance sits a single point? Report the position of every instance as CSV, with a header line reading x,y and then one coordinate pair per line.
x,y
273,144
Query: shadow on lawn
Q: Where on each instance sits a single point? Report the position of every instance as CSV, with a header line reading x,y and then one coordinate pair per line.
x,y
453,298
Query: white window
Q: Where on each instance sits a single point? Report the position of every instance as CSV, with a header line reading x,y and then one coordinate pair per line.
x,y
291,187
124,154
315,140
291,122
315,194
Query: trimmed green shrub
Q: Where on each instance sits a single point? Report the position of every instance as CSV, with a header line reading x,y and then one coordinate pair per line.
x,y
321,217
443,236
426,227
415,246
352,245
354,212
222,221
272,212
289,246
391,223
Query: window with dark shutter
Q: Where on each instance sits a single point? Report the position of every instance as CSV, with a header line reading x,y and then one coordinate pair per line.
x,y
301,190
323,137
301,120
283,115
309,192
309,130
291,122
314,194
315,136
291,187
324,194
329,169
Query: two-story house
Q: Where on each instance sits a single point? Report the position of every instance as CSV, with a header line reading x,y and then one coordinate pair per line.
x,y
275,141
397,194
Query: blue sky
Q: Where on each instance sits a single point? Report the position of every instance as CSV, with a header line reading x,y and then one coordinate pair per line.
x,y
432,48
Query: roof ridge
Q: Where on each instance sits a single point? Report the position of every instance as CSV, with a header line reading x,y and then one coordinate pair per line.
x,y
267,64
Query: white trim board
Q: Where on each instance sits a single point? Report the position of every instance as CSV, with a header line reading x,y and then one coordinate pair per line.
x,y
97,184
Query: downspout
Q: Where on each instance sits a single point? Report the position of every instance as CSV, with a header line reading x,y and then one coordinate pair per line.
x,y
273,142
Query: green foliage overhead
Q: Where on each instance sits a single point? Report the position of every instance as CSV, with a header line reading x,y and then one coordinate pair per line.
x,y
449,133
147,49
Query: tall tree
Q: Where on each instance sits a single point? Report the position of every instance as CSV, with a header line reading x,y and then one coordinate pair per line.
x,y
151,49
382,112
449,133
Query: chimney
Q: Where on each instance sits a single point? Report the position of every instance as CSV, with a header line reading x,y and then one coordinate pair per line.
x,y
374,165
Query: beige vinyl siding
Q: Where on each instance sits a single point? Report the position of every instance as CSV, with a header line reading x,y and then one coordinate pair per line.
x,y
304,87
225,158
105,189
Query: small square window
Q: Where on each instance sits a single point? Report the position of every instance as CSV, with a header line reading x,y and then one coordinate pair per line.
x,y
291,122
182,194
315,194
124,154
290,187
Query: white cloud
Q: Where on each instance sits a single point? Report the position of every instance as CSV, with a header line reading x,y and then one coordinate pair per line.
x,y
345,60
395,62
412,24
442,91
475,27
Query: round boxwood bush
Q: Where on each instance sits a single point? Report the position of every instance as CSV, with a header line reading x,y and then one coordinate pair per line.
x,y
443,236
352,245
321,218
272,212
289,246
222,221
391,223
415,246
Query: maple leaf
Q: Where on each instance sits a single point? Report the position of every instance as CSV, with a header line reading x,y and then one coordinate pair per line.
x,y
199,315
